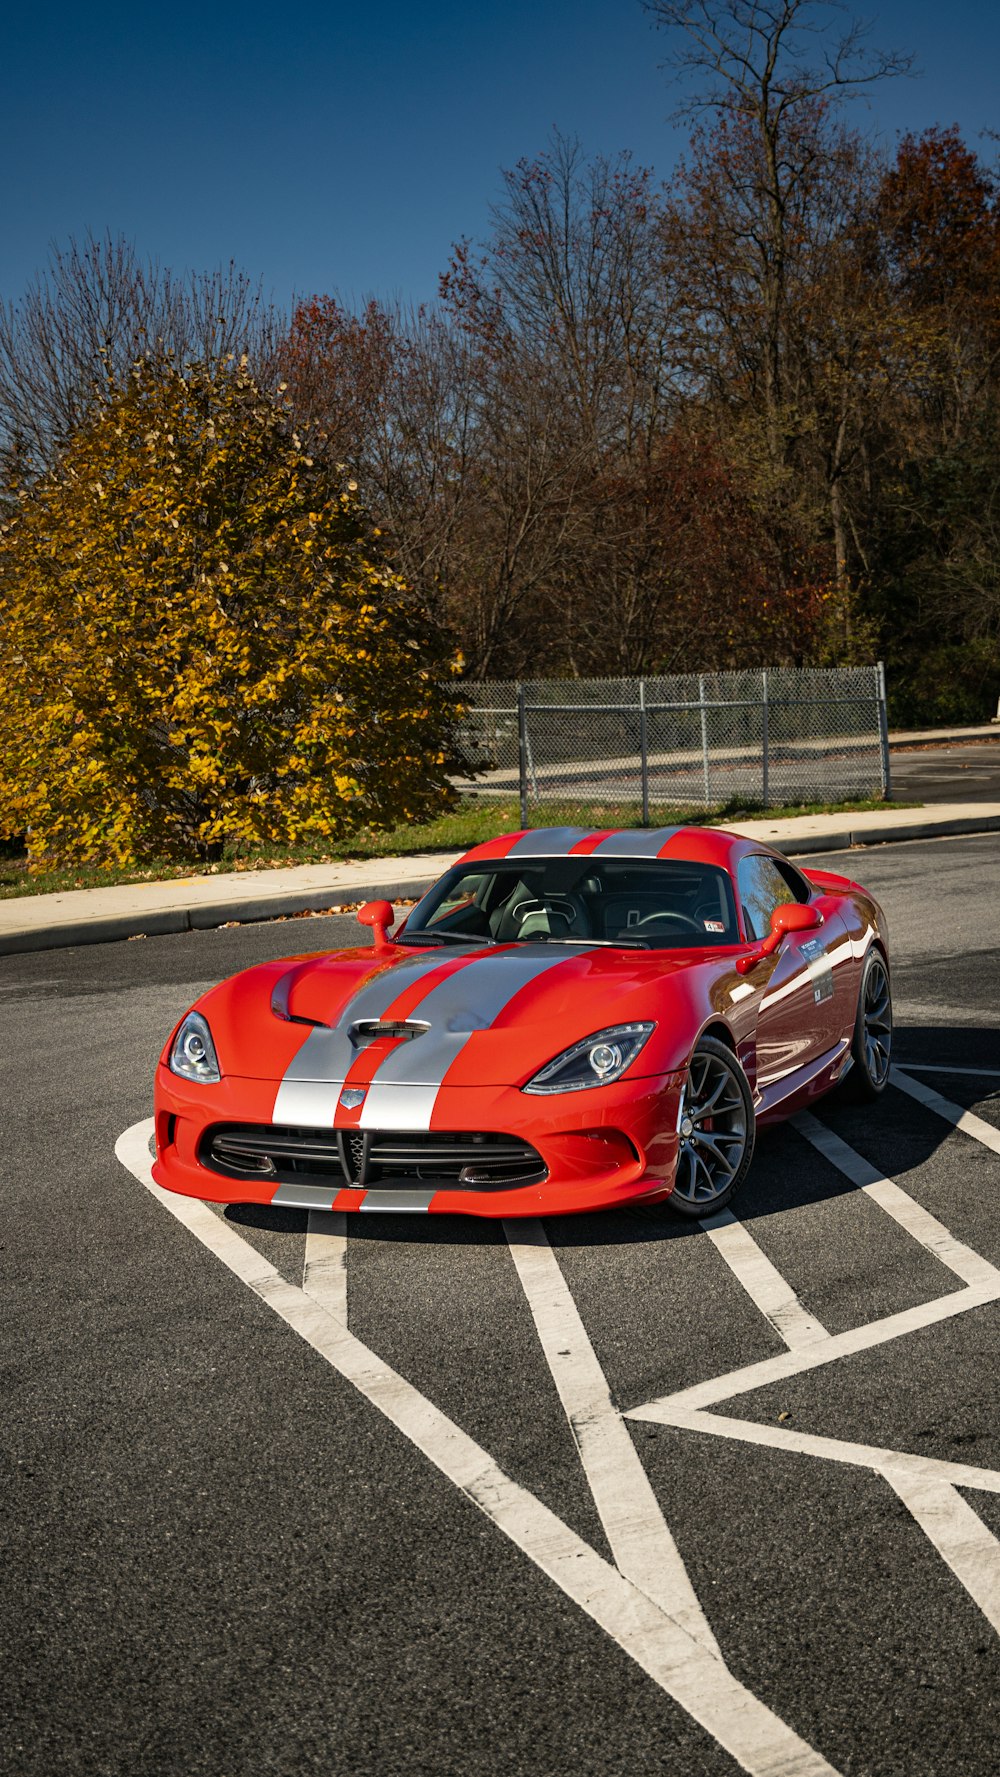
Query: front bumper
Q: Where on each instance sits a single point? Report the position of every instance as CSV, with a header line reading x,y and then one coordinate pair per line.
x,y
601,1147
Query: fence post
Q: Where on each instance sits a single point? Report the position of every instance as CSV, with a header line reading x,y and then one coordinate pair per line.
x,y
644,749
765,738
883,730
522,752
704,736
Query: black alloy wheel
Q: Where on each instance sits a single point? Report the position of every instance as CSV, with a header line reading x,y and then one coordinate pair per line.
x,y
871,1049
716,1130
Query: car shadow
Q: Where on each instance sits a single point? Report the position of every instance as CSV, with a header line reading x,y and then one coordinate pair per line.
x,y
787,1173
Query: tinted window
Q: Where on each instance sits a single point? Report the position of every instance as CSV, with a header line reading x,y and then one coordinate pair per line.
x,y
801,889
463,893
764,886
663,904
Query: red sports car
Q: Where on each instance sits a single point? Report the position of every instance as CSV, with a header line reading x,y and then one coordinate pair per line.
x,y
567,1020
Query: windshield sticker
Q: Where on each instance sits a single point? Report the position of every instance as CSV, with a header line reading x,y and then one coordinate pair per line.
x,y
820,969
713,925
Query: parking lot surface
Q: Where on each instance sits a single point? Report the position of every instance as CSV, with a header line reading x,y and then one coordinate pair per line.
x,y
954,773
607,1494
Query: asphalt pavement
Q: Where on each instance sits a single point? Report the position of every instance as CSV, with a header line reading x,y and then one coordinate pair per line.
x,y
969,773
221,1555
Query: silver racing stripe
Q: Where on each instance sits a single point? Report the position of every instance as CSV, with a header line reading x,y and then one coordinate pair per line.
x,y
304,1096
405,1088
304,1196
306,1104
557,842
639,842
417,1202
548,842
470,1000
397,1107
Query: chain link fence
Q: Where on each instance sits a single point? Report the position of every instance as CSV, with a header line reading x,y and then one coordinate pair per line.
x,y
622,750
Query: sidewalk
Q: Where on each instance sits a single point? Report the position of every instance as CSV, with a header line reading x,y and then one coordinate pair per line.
x,y
192,903
924,737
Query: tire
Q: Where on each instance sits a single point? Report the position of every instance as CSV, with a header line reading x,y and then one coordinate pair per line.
x,y
871,1046
712,1163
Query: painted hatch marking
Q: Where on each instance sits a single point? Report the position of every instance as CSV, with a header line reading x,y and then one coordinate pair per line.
x,y
656,1616
656,1619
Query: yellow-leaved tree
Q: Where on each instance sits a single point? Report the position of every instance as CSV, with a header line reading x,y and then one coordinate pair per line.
x,y
198,642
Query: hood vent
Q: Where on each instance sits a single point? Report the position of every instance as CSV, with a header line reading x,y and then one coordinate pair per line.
x,y
279,1001
373,1030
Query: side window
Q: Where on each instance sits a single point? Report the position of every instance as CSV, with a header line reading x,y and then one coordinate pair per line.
x,y
763,887
461,894
801,890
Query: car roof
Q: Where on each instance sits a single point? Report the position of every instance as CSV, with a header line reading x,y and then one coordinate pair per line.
x,y
702,845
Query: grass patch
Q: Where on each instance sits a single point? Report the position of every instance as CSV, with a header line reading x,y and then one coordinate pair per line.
x,y
472,820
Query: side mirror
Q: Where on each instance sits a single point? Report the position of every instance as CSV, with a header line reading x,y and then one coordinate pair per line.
x,y
790,916
379,915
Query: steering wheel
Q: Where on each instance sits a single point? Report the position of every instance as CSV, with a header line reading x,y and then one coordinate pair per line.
x,y
683,919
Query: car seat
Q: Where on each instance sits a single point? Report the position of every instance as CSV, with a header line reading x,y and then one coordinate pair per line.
x,y
562,915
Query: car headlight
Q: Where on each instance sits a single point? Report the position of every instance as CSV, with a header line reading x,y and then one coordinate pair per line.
x,y
595,1062
193,1053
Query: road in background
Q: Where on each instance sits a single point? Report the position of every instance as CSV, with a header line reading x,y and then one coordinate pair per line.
x,y
947,772
969,773
220,1557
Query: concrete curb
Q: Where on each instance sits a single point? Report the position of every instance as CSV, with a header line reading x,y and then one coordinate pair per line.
x,y
903,738
195,919
208,915
847,841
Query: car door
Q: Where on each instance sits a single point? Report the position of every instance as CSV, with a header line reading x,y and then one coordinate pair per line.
x,y
799,1015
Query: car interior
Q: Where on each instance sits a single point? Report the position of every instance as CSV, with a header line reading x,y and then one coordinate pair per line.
x,y
664,904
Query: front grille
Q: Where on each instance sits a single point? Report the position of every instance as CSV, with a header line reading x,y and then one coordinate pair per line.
x,y
370,1159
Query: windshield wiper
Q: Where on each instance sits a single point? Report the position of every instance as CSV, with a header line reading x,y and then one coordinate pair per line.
x,y
588,943
441,938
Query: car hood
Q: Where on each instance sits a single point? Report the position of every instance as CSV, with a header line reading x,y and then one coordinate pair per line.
x,y
484,1017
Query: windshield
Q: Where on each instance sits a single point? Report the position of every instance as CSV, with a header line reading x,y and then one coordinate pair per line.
x,y
663,904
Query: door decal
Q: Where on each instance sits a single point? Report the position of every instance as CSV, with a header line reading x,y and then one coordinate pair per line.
x,y
820,969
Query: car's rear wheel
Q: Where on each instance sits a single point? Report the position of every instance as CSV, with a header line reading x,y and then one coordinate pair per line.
x,y
716,1129
871,1048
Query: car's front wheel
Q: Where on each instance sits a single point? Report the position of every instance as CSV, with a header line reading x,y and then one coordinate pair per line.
x,y
716,1130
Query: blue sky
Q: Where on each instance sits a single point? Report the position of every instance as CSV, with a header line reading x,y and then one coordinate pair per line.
x,y
345,146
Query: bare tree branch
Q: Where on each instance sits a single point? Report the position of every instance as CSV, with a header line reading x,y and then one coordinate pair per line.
x,y
95,310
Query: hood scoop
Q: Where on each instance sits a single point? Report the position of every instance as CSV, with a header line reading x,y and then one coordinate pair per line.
x,y
280,995
374,1030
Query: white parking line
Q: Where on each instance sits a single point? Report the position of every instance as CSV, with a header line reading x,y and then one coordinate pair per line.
x,y
954,1114
926,1485
931,1469
958,1533
763,1282
824,1351
970,1266
699,1682
324,1269
940,1067
641,1544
